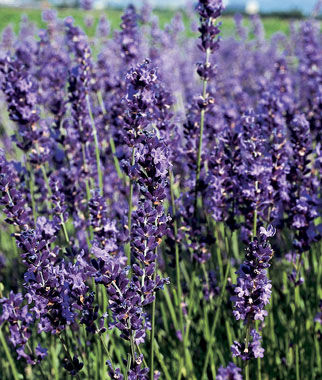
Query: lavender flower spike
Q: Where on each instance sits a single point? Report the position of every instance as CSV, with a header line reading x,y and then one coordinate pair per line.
x,y
86,4
252,292
231,372
253,289
253,350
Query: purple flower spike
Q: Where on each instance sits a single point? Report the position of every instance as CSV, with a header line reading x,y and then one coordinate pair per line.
x,y
137,372
253,289
12,200
20,90
209,11
129,35
231,372
40,352
318,316
253,350
87,5
114,373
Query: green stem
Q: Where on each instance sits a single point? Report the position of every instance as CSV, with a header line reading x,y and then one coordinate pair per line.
x,y
86,355
9,357
43,170
318,296
171,308
206,322
297,288
118,354
187,354
101,102
162,364
131,193
246,348
259,363
297,304
297,364
88,192
140,353
129,217
259,369
271,317
128,366
202,123
132,345
317,350
112,144
13,240
132,355
152,331
53,351
247,370
176,247
218,252
67,351
64,228
115,159
105,347
229,336
31,190
97,362
97,152
213,327
255,214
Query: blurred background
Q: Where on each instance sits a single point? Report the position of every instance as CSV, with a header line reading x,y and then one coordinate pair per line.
x,y
276,14
303,7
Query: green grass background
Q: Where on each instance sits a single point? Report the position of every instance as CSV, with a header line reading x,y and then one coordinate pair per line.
x,y
13,15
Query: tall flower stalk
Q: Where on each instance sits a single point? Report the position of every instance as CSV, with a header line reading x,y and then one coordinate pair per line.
x,y
209,11
131,291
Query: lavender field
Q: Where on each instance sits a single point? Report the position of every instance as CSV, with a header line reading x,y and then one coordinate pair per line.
x,y
161,199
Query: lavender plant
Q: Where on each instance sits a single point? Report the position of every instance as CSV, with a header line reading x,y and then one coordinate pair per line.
x,y
160,198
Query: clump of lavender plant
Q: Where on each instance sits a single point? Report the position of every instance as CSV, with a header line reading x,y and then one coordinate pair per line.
x,y
230,172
